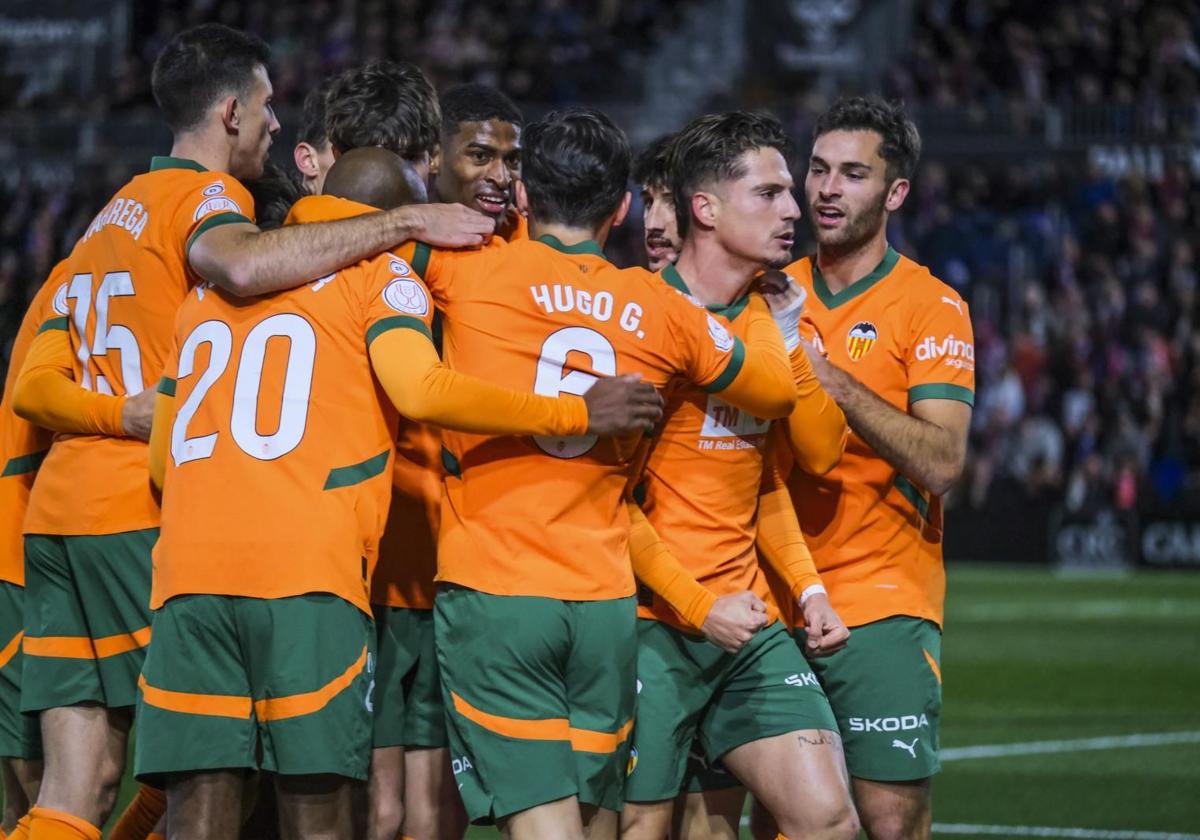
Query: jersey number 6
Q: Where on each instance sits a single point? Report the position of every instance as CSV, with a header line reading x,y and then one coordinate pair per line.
x,y
551,380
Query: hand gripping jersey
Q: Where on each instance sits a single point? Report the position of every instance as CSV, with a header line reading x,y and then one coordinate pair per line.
x,y
281,445
126,278
875,535
702,482
23,445
544,516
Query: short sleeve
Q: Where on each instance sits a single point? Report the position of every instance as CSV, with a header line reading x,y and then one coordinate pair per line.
x,y
940,359
396,297
219,199
702,348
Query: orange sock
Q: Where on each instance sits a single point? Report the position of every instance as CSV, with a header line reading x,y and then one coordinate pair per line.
x,y
780,837
48,824
141,815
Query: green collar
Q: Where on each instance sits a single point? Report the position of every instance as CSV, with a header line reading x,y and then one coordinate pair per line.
x,y
164,162
858,287
729,311
588,246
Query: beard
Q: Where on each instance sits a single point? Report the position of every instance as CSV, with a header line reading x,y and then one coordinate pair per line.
x,y
859,229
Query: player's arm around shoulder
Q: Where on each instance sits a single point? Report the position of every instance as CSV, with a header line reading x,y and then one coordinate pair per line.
x,y
246,261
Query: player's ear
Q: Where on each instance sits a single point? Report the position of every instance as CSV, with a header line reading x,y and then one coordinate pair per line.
x,y
305,157
435,161
896,194
704,209
231,115
622,209
521,198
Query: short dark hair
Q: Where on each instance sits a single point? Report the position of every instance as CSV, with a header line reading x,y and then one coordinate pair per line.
x,y
200,65
274,193
650,167
575,166
901,142
476,103
312,120
710,149
385,103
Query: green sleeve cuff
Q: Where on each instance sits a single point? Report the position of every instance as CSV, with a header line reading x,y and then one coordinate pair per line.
x,y
216,220
166,386
941,391
54,324
397,322
737,358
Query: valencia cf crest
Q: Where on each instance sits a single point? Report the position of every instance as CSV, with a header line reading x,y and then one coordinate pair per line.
x,y
861,339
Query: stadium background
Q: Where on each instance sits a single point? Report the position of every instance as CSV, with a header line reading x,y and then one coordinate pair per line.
x,y
1059,191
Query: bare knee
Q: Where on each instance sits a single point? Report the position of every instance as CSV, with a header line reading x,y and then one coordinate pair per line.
x,y
387,817
836,823
645,820
894,826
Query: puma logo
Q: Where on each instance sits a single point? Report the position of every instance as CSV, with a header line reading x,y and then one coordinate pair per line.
x,y
957,304
910,748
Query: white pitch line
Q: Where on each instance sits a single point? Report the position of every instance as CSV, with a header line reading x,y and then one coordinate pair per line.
x,y
1051,831
1108,742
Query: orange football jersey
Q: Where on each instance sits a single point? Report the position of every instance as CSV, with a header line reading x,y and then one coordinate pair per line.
x,y
702,482
875,535
282,439
408,551
126,278
544,516
23,445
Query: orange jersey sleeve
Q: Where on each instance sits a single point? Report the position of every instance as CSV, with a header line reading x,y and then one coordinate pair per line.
x,y
47,394
23,445
126,278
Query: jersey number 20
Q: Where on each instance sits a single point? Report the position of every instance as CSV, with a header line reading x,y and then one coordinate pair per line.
x,y
297,385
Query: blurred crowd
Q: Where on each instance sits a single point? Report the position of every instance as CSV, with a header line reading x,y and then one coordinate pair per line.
x,y
968,52
1083,285
545,51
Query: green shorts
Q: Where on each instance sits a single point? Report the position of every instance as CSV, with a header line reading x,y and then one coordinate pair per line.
x,y
691,690
540,696
408,690
282,685
19,735
87,618
885,687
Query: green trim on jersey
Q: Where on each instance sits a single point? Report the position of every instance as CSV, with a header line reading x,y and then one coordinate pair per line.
x,y
167,162
737,358
166,386
397,322
54,324
858,287
420,259
909,491
357,473
587,246
941,391
730,311
216,220
23,464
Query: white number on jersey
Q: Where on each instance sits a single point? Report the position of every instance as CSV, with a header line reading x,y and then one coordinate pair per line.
x,y
107,337
551,381
297,386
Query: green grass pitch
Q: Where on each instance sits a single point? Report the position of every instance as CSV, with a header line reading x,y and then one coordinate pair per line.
x,y
1033,657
